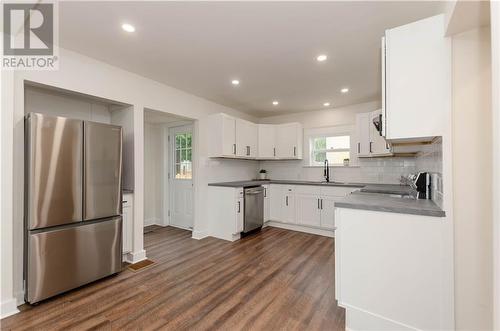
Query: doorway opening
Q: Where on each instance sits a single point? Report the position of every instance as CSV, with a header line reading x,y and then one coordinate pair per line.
x,y
168,171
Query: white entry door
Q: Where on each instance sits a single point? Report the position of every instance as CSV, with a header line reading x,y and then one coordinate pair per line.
x,y
181,177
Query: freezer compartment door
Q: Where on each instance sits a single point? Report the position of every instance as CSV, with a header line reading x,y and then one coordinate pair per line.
x,y
63,259
102,170
53,155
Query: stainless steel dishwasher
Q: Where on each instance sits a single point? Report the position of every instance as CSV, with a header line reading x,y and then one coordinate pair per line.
x,y
253,208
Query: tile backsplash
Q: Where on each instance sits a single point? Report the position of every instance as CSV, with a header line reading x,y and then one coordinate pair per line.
x,y
372,170
430,159
384,170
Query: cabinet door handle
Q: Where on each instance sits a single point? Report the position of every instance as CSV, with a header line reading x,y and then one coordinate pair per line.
x,y
321,203
359,147
294,151
265,192
234,149
124,201
239,207
318,204
248,150
370,146
286,200
274,151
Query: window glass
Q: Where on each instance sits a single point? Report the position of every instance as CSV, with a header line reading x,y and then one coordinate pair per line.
x,y
332,148
183,156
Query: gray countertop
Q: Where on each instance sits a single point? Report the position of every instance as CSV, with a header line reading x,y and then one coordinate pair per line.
x,y
375,197
386,203
387,189
248,183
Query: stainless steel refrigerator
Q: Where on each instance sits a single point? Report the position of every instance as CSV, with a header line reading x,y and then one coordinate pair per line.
x,y
72,221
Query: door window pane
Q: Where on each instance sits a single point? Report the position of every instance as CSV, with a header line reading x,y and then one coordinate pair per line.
x,y
183,155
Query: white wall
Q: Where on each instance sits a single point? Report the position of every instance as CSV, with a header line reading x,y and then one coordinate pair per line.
x,y
7,243
154,174
495,56
88,76
56,104
472,169
326,117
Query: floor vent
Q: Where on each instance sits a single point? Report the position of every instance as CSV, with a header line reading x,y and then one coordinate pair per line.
x,y
141,265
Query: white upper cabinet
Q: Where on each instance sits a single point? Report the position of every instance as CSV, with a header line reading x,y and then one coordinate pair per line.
x,y
363,134
416,80
246,139
267,141
236,138
223,136
289,141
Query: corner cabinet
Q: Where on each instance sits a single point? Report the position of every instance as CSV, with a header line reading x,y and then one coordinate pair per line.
x,y
232,137
289,141
416,80
246,139
315,205
267,141
305,207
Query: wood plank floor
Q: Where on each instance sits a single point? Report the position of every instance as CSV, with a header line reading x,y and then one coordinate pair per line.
x,y
273,280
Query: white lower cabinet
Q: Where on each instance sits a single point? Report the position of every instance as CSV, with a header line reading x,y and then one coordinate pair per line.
x,y
328,211
316,205
267,203
275,202
382,259
306,205
282,203
226,212
239,212
308,209
127,222
288,201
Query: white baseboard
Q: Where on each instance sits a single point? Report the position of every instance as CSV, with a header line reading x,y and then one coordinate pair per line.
x,y
199,234
8,308
180,227
153,221
360,319
300,228
19,298
134,257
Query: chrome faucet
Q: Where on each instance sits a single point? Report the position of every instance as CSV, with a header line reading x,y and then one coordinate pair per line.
x,y
326,172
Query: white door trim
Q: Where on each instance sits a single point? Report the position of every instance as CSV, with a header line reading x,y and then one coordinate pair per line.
x,y
495,75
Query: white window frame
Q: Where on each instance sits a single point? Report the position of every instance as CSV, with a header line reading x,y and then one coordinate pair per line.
x,y
334,131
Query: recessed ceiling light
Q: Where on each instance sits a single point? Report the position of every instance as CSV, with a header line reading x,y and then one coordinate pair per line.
x,y
128,27
344,90
321,58
235,82
326,104
275,103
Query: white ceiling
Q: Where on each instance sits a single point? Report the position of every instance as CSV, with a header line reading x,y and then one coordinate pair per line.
x,y
270,47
